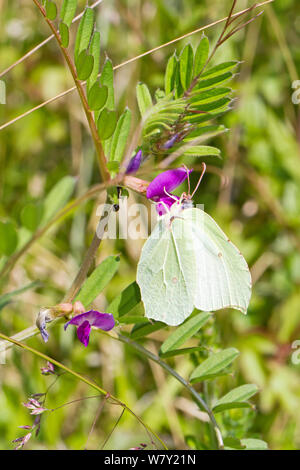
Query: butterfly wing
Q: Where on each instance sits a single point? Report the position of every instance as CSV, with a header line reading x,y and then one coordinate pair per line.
x,y
167,273
223,276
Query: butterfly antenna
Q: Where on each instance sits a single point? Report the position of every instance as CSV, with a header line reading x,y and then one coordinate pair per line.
x,y
188,177
170,195
200,179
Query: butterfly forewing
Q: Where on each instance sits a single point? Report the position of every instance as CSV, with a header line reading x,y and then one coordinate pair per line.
x,y
223,277
167,272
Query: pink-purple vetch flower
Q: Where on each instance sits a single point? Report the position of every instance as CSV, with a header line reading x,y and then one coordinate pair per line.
x,y
160,188
85,321
134,163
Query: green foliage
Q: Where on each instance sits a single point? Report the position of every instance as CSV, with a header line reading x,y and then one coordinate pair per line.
x,y
99,279
8,238
214,365
106,123
84,32
120,136
58,197
184,332
68,11
51,9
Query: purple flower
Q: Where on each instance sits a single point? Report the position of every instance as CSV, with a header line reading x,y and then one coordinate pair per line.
x,y
85,321
160,188
48,370
169,144
35,407
134,163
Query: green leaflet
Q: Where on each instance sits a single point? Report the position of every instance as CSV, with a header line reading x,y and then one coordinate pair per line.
x,y
64,34
107,79
219,104
99,278
184,332
144,98
201,55
219,69
236,398
106,123
84,32
204,97
120,136
186,64
51,10
58,197
214,365
206,84
97,96
31,216
202,151
125,301
68,11
145,329
170,74
8,238
95,49
84,65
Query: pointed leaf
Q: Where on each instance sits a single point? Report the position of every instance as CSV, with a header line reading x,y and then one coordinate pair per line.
x,y
238,394
120,136
106,123
214,365
31,216
254,444
51,10
99,279
58,197
186,64
64,34
84,65
125,301
95,49
144,329
219,69
97,96
68,11
144,98
84,32
171,74
202,151
107,79
201,55
185,332
8,238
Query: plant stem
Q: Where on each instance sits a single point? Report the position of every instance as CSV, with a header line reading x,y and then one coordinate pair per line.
x,y
82,379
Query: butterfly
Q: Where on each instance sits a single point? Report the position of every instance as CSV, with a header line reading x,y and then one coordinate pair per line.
x,y
188,262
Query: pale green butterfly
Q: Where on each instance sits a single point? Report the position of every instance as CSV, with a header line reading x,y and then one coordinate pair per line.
x,y
188,262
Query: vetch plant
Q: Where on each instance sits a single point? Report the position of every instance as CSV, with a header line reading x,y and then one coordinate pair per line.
x,y
188,267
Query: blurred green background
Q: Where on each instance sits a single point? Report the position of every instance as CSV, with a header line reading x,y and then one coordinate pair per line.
x,y
258,207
